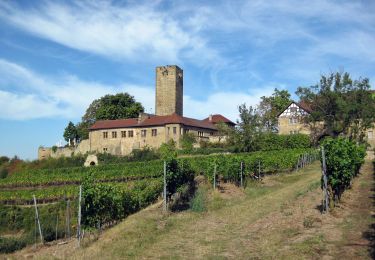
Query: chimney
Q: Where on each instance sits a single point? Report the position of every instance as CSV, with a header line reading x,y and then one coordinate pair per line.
x,y
210,118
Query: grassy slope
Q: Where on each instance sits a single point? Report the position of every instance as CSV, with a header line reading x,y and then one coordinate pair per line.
x,y
225,230
276,220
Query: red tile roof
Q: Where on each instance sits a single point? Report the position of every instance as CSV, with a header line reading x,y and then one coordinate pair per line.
x,y
152,121
217,119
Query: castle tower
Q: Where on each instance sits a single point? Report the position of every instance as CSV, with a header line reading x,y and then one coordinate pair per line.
x,y
169,90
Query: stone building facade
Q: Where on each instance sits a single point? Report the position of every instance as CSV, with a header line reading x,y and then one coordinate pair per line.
x,y
121,137
290,121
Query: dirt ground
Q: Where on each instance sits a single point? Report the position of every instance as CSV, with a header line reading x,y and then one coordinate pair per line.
x,y
279,218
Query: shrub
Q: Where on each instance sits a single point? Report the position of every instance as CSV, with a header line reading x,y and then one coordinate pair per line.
x,y
9,245
3,173
343,161
198,203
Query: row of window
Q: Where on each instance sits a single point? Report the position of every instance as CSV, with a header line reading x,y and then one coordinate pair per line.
x,y
154,132
123,134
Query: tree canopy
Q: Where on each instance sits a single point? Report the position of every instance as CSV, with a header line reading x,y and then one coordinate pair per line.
x,y
108,107
70,133
270,107
344,106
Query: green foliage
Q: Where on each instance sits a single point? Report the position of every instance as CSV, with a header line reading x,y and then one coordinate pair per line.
x,y
198,203
187,142
138,155
9,245
343,161
270,107
168,150
101,203
70,133
4,159
272,141
248,129
3,172
345,106
54,148
178,173
108,107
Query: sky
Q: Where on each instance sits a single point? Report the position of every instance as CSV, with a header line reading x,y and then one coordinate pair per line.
x,y
56,57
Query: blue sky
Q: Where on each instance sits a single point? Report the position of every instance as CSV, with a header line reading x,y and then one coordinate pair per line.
x,y
56,57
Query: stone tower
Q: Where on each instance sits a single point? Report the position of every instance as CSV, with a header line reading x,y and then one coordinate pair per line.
x,y
169,90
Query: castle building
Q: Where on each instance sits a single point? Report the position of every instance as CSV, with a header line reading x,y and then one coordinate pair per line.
x,y
291,121
121,137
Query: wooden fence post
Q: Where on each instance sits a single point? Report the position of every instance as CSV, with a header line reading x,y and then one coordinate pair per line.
x,y
215,177
165,187
68,219
79,216
241,174
37,219
325,182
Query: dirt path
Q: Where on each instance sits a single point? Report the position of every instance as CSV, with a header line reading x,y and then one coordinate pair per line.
x,y
278,220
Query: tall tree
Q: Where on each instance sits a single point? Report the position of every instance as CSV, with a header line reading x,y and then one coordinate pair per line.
x,y
70,133
270,107
248,129
119,106
340,106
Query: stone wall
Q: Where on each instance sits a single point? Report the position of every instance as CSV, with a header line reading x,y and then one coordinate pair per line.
x,y
169,90
287,127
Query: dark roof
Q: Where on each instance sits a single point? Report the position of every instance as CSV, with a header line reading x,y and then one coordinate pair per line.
x,y
152,121
217,119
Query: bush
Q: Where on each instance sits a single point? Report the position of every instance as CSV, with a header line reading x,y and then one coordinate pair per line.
x,y
3,173
198,203
9,245
272,141
343,161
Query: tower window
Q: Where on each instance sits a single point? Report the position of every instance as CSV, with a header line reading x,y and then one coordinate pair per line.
x,y
130,133
174,130
123,134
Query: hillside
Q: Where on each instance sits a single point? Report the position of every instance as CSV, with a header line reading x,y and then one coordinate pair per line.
x,y
279,218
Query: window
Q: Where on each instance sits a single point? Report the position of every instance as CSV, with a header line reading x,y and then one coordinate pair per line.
x,y
105,135
370,134
168,129
123,134
154,132
105,149
174,130
293,109
130,133
293,121
114,134
200,133
292,132
211,133
186,131
143,133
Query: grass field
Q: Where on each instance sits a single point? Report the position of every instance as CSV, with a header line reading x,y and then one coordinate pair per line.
x,y
276,219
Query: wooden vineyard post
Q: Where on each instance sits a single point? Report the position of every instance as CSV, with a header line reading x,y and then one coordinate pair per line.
x,y
68,219
325,182
241,174
37,219
258,170
165,187
79,216
57,224
215,177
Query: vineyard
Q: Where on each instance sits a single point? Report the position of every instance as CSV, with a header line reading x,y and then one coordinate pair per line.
x,y
113,191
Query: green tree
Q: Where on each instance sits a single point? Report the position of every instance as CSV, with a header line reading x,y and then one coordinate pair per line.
x,y
270,107
108,107
70,133
187,142
344,106
248,129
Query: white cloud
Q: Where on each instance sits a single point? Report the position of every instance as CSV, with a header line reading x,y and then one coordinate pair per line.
x,y
31,95
131,32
